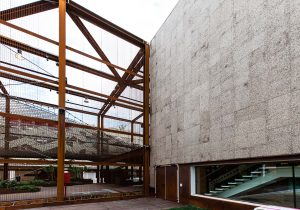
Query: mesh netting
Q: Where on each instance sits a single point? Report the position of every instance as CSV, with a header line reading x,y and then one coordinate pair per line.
x,y
34,139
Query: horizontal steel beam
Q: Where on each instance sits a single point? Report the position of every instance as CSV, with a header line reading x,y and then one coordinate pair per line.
x,y
49,105
119,119
37,52
10,70
27,9
133,65
54,87
67,47
54,162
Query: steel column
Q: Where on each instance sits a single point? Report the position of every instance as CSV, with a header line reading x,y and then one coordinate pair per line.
x,y
146,122
6,135
101,145
102,134
6,128
98,147
62,101
132,127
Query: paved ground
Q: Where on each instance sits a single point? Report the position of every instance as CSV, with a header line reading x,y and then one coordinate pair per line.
x,y
48,192
134,204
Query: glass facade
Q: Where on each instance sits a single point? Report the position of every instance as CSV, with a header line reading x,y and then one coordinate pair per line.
x,y
269,183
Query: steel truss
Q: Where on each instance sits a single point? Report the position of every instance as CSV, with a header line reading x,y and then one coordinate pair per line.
x,y
132,77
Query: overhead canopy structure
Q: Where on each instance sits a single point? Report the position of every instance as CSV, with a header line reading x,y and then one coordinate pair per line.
x,y
49,111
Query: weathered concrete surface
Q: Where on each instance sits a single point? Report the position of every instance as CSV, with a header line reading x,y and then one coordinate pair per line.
x,y
225,81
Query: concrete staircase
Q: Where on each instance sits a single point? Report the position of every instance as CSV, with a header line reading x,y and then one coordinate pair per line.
x,y
254,179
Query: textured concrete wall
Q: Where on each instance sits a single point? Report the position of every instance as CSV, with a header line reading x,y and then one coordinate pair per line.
x,y
225,81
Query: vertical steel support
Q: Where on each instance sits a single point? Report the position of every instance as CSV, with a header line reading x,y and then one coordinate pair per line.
x,y
98,148
102,134
101,147
6,136
146,172
132,130
61,101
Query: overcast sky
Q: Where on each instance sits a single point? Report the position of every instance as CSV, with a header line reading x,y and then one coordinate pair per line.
x,y
140,17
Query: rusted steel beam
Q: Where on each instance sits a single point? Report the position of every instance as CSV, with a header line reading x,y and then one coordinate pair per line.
x,y
28,81
95,19
98,148
120,119
102,95
27,69
55,88
136,82
102,135
146,121
22,73
138,117
67,47
27,9
54,162
3,89
119,89
10,70
62,80
67,108
54,123
93,42
34,51
6,128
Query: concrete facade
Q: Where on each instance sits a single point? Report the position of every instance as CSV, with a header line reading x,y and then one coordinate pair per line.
x,y
225,81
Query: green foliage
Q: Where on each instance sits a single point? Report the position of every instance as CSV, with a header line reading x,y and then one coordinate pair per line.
x,y
49,184
38,182
76,172
7,184
23,183
50,171
189,207
30,188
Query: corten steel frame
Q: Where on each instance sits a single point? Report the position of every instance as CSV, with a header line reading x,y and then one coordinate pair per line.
x,y
132,77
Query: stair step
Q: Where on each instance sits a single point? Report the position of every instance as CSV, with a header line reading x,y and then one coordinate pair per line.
x,y
232,183
241,180
248,176
256,172
226,186
213,192
219,189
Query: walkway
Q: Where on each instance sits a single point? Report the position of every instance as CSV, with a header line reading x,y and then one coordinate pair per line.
x,y
134,204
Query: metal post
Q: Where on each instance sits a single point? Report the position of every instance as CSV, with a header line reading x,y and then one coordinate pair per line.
x,y
146,122
102,134
132,128
98,148
6,136
101,143
101,174
62,101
